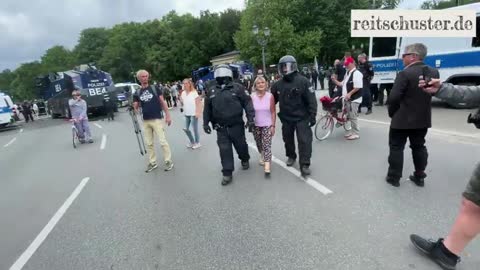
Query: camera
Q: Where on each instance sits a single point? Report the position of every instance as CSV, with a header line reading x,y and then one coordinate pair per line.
x,y
474,119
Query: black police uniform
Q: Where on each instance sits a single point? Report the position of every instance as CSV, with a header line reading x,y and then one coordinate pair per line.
x,y
367,70
298,110
224,109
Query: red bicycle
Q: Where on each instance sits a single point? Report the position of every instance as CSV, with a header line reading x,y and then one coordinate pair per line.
x,y
335,114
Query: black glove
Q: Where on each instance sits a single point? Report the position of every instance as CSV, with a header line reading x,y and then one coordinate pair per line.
x,y
250,126
207,129
312,122
181,110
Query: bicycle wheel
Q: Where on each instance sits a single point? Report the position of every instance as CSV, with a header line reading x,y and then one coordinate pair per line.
x,y
324,127
74,137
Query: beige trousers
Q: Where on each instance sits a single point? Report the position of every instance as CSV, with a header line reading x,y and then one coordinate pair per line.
x,y
156,126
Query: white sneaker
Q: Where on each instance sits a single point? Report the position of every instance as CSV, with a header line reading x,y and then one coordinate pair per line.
x,y
189,145
196,146
353,137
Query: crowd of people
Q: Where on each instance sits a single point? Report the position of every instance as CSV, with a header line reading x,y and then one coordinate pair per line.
x,y
225,104
28,110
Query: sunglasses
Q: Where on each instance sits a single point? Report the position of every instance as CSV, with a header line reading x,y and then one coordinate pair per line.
x,y
407,54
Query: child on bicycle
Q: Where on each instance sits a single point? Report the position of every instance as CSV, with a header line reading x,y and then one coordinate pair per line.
x,y
78,110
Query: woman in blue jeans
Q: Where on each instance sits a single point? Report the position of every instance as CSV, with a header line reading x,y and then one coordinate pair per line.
x,y
192,108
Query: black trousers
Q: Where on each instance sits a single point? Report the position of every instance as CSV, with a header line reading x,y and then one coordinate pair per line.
x,y
397,139
374,91
315,83
322,82
110,114
174,101
366,97
28,116
225,138
304,138
169,101
381,94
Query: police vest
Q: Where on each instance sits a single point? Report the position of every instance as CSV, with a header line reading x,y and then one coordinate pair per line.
x,y
226,105
358,94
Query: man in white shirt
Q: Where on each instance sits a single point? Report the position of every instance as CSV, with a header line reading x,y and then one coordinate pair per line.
x,y
352,86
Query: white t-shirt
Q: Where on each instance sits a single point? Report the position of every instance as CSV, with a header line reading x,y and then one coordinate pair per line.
x,y
357,83
189,106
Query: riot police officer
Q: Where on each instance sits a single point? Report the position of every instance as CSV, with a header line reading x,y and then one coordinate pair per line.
x,y
224,105
298,110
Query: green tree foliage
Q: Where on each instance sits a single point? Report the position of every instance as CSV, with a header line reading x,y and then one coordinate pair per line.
x,y
285,38
57,58
435,4
23,84
91,45
6,77
304,28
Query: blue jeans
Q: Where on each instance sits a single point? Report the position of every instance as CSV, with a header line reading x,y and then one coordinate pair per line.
x,y
194,121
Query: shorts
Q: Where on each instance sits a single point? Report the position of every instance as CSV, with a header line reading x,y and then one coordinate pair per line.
x,y
472,192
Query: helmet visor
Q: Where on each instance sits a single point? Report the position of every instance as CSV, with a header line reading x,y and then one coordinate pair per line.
x,y
287,68
223,72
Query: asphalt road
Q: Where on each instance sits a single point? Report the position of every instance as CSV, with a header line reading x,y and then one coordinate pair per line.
x,y
345,217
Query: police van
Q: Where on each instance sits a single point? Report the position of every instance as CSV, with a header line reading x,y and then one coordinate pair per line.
x,y
456,58
125,91
6,114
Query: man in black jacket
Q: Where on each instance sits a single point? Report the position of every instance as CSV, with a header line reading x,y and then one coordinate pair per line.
x,y
410,109
298,111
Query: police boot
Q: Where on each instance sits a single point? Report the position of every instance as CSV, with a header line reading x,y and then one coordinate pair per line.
x,y
418,178
305,170
227,179
245,165
369,111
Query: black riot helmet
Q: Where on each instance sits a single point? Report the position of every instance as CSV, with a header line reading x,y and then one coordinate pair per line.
x,y
223,74
287,66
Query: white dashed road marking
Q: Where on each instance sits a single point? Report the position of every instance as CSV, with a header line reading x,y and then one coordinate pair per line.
x,y
27,254
104,142
311,182
10,142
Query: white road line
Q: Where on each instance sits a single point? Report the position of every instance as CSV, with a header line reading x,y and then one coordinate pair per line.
x,y
104,142
97,125
10,142
434,130
27,254
311,182
21,130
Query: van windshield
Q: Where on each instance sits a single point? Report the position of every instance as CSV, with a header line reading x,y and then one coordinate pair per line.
x,y
384,46
3,102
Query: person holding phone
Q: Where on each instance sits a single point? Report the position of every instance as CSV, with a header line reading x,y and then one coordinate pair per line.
x,y
446,251
411,113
